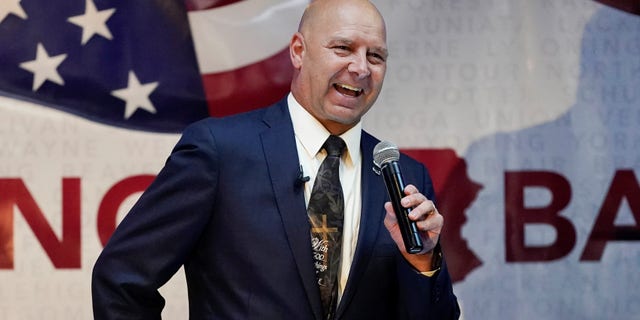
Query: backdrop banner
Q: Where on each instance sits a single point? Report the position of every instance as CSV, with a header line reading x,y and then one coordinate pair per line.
x,y
526,112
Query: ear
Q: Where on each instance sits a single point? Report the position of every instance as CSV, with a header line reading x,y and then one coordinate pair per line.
x,y
297,49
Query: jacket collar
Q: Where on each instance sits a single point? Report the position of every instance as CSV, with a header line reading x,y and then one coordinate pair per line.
x,y
281,155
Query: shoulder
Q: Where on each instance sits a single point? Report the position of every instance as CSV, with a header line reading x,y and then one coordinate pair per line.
x,y
241,124
369,142
413,171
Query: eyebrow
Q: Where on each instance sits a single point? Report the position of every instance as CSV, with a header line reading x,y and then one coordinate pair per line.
x,y
380,50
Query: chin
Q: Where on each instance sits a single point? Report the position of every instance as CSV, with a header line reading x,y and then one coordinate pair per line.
x,y
346,120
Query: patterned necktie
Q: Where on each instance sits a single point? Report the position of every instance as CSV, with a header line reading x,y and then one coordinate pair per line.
x,y
326,213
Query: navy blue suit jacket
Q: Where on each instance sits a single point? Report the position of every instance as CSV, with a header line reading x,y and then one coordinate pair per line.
x,y
227,207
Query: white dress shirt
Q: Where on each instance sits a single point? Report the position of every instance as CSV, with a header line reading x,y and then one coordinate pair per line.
x,y
310,136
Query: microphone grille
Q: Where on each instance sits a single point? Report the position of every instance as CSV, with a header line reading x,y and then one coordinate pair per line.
x,y
385,152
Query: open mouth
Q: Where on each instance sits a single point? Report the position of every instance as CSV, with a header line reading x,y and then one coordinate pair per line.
x,y
348,90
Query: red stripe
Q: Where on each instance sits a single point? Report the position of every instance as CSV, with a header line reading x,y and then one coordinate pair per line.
x,y
194,5
248,88
631,6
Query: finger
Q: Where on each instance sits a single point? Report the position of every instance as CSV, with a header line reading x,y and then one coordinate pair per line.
x,y
425,209
433,224
389,208
410,189
390,218
413,200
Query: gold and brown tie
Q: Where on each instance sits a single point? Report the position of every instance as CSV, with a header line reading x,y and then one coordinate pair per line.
x,y
326,214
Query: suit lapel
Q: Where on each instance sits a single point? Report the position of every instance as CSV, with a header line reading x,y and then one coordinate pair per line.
x,y
371,219
280,151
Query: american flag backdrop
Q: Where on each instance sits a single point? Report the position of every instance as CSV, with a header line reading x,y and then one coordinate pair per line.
x,y
152,65
526,113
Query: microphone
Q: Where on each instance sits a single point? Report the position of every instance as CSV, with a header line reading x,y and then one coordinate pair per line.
x,y
301,179
385,160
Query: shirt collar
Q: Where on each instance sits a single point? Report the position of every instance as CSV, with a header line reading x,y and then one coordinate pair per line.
x,y
312,134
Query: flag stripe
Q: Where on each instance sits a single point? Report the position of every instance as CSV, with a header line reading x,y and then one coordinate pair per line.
x,y
243,33
193,5
242,51
250,87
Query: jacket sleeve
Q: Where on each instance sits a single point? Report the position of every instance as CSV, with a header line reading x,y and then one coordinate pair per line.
x,y
422,297
156,236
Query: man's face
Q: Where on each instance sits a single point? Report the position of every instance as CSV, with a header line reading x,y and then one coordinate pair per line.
x,y
341,64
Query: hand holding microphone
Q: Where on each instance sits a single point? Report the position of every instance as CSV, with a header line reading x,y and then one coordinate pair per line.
x,y
418,221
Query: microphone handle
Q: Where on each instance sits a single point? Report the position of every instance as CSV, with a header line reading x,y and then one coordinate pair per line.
x,y
395,188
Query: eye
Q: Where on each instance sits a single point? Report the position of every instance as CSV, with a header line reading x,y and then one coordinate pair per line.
x,y
376,58
341,49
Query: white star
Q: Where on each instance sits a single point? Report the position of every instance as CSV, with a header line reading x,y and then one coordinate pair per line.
x,y
44,67
93,22
136,95
11,6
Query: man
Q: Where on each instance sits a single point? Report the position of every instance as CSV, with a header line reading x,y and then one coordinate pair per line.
x,y
230,203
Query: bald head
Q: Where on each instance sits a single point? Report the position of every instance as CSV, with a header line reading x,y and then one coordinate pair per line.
x,y
319,11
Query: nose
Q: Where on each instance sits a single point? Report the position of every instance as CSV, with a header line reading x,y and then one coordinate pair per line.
x,y
359,66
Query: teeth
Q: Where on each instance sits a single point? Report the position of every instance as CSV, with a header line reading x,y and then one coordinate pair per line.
x,y
348,87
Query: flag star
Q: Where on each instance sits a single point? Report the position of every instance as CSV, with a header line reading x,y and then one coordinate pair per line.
x,y
44,67
93,22
11,6
136,95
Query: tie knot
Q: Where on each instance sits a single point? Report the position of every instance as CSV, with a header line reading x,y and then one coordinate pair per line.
x,y
334,146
